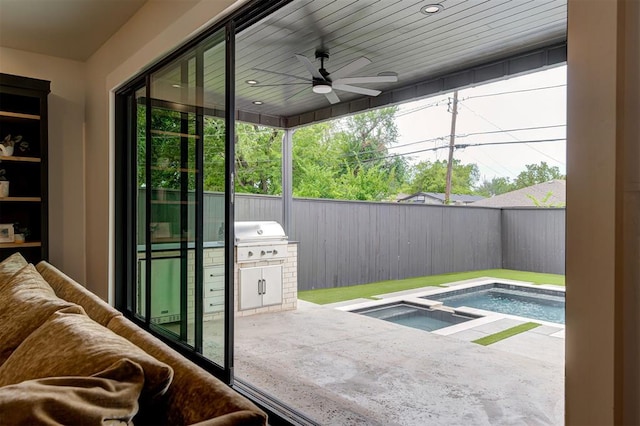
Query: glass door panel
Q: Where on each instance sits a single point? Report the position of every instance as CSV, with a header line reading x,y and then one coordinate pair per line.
x,y
181,180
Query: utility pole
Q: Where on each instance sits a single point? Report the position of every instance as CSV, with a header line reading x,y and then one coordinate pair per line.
x,y
452,142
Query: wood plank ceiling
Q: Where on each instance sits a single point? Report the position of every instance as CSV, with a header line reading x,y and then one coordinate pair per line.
x,y
395,35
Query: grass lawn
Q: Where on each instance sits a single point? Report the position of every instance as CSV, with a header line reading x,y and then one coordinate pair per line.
x,y
338,294
493,338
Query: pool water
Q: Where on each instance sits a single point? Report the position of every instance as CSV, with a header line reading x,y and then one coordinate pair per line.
x,y
545,306
416,317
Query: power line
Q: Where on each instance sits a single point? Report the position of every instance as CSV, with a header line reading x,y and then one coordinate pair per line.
x,y
462,146
420,108
515,137
444,137
499,163
512,130
515,91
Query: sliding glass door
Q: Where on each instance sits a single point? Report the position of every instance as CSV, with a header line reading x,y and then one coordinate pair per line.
x,y
180,201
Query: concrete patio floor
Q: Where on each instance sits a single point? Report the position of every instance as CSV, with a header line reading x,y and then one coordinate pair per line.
x,y
341,368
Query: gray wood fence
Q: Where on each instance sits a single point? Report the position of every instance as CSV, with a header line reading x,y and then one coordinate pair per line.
x,y
344,243
533,239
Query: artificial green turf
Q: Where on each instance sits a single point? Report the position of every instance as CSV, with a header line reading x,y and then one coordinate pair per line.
x,y
339,294
493,338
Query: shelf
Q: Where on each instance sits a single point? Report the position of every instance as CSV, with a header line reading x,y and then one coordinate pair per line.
x,y
174,169
24,111
20,159
166,133
19,115
22,199
168,240
172,202
19,245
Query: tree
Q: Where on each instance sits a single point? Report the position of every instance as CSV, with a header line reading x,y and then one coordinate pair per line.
x,y
432,177
258,159
348,159
537,173
496,186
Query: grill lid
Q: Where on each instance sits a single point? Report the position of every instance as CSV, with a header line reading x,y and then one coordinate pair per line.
x,y
263,231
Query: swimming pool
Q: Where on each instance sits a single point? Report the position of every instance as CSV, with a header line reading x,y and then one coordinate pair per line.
x,y
535,303
415,316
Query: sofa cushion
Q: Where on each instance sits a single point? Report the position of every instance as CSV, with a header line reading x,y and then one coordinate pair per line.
x,y
26,302
195,395
68,289
10,266
109,397
72,344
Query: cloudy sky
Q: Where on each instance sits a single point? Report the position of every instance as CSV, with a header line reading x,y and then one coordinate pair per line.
x,y
529,110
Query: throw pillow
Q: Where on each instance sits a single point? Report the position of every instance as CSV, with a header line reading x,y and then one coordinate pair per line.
x,y
26,302
10,266
107,398
72,344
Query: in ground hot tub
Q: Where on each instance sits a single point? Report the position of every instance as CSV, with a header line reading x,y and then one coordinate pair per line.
x,y
415,316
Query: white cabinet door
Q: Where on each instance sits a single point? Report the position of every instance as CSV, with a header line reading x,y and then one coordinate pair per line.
x,y
272,285
250,279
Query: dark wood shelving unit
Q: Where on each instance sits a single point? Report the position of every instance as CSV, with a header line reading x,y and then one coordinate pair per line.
x,y
24,112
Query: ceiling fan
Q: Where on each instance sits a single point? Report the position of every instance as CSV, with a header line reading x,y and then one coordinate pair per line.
x,y
325,82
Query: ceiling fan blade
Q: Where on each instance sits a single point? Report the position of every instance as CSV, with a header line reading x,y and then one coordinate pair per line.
x,y
310,67
281,73
373,79
279,84
350,68
356,89
332,97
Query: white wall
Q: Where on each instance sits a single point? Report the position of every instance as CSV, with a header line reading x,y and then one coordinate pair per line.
x,y
66,152
603,232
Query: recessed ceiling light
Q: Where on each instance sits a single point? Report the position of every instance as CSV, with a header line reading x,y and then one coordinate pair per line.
x,y
431,9
258,102
177,86
252,82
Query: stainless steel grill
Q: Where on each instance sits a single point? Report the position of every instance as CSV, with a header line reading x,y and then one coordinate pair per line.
x,y
260,241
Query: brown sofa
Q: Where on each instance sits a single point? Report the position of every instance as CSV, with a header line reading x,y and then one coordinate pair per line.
x,y
65,351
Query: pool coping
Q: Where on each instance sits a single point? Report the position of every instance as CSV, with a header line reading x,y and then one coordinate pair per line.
x,y
415,296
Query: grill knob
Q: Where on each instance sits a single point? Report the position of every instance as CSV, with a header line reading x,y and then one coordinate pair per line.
x,y
250,254
262,253
275,252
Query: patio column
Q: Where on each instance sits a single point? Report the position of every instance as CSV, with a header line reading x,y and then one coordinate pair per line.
x,y
603,209
287,179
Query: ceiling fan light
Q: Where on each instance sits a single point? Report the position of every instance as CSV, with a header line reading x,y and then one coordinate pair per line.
x,y
321,88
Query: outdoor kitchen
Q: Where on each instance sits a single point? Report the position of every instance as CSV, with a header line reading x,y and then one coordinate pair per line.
x,y
265,275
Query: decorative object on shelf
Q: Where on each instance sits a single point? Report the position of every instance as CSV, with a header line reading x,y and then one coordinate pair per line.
x,y
4,184
21,233
161,230
8,144
6,233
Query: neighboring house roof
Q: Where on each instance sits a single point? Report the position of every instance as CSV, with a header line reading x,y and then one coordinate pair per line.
x,y
438,197
523,197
